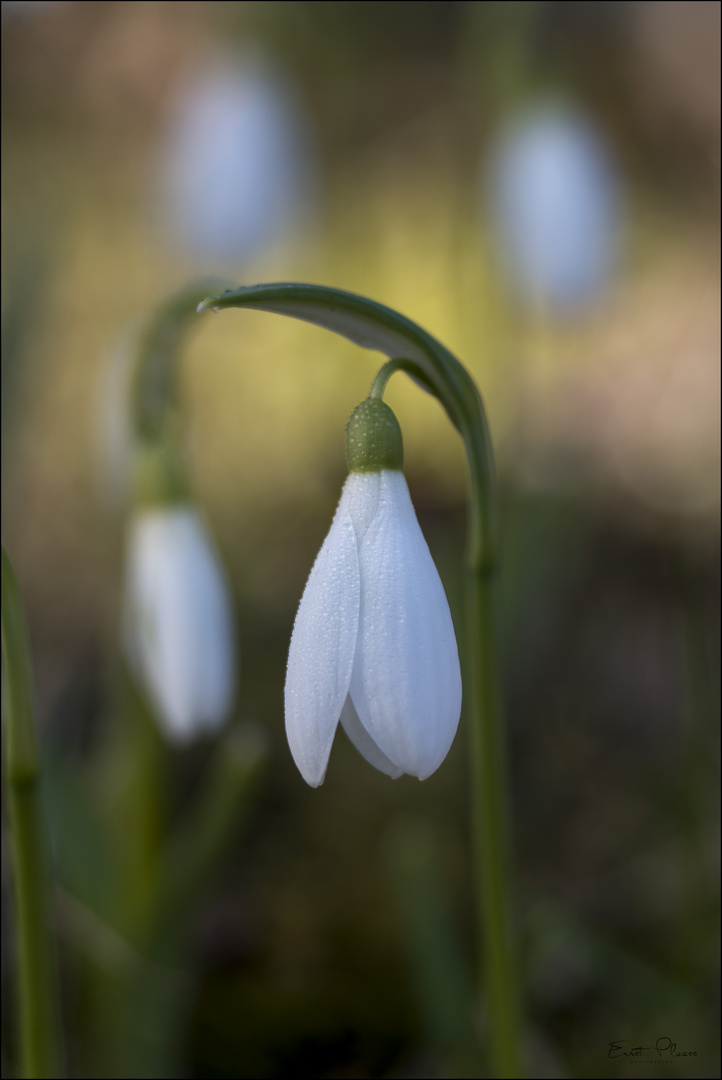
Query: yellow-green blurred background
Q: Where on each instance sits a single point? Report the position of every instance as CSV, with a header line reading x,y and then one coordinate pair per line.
x,y
606,427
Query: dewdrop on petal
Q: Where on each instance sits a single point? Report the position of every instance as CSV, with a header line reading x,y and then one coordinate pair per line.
x,y
373,645
178,629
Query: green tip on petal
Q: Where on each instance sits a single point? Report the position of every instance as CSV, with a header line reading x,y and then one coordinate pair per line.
x,y
373,438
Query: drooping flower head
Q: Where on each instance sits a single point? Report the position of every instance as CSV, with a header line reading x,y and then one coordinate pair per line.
x,y
178,629
373,644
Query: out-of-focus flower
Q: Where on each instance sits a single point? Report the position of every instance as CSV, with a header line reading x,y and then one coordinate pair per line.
x,y
554,202
177,621
373,645
236,173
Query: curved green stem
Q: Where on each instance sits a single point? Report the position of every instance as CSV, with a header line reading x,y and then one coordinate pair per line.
x,y
374,326
490,824
155,381
383,375
490,810
436,370
410,348
40,1041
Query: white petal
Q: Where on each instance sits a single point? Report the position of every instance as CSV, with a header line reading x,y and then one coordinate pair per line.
x,y
154,633
406,682
360,496
209,608
363,742
320,658
178,623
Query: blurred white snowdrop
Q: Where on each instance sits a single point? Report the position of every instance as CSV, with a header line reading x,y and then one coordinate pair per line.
x,y
178,631
373,644
236,173
554,202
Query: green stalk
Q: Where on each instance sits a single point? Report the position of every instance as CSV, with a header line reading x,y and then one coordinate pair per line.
x,y
160,988
142,758
442,975
40,1041
155,378
490,828
489,770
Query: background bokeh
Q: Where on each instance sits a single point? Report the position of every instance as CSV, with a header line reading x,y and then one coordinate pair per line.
x,y
361,146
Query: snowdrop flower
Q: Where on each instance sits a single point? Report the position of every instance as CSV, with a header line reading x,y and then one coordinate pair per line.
x,y
177,621
236,170
373,644
555,206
